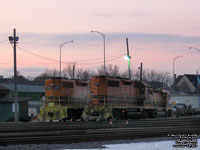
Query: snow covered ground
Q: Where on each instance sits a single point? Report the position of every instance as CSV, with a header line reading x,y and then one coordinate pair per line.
x,y
161,145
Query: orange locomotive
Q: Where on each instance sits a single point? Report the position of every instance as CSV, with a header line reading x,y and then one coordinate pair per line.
x,y
123,98
65,99
102,98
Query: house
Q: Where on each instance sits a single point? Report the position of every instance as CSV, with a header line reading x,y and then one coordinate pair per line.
x,y
188,83
187,91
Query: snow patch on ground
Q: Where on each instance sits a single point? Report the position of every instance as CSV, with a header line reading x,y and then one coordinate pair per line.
x,y
161,145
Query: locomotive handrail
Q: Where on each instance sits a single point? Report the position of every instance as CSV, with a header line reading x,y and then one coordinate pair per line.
x,y
108,100
70,101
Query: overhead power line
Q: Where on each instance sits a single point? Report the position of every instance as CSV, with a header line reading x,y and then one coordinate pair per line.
x,y
114,57
100,58
1,41
37,55
108,60
28,63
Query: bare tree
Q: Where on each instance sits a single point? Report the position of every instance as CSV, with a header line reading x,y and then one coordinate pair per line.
x,y
84,74
135,75
110,70
47,74
20,77
113,70
68,71
100,71
125,74
163,78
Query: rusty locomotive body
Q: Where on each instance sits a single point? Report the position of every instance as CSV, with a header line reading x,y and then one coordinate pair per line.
x,y
123,98
103,98
64,99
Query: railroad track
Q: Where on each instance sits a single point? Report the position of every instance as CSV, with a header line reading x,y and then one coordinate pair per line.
x,y
57,132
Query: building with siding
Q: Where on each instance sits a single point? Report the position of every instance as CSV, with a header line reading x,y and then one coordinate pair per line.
x,y
7,111
32,90
188,83
187,99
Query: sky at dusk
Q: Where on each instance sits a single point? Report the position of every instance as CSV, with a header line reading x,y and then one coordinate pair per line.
x,y
158,31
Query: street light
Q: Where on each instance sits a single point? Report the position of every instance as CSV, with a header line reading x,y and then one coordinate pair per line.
x,y
128,57
103,35
61,45
174,69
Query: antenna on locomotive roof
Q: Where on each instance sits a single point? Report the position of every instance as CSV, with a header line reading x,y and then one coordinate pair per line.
x,y
140,71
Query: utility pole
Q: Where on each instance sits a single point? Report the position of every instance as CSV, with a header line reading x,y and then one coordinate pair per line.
x,y
128,57
13,40
140,71
74,71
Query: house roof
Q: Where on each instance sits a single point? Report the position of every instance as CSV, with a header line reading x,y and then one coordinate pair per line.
x,y
178,79
191,77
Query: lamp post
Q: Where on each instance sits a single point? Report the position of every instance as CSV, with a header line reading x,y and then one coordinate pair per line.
x,y
61,45
103,35
174,69
13,40
128,57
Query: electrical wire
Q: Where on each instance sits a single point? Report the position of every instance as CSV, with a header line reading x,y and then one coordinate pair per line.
x,y
56,63
99,62
108,60
100,58
118,56
37,55
1,41
29,63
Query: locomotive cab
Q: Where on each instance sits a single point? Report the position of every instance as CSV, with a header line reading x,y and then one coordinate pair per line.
x,y
65,99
